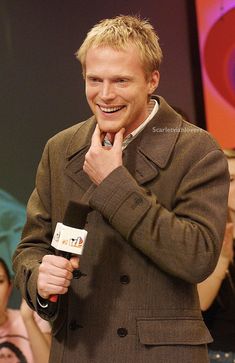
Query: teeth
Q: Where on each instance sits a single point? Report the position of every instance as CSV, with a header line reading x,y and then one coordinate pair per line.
x,y
110,109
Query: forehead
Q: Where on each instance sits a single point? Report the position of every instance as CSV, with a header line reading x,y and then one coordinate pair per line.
x,y
126,48
108,56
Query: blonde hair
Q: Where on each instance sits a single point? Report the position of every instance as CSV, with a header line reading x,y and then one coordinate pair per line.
x,y
118,33
230,153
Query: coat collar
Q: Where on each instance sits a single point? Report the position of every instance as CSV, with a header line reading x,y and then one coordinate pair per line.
x,y
154,146
81,139
160,135
162,132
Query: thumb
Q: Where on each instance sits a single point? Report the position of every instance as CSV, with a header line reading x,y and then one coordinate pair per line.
x,y
74,262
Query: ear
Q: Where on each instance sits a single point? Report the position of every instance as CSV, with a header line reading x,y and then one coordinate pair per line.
x,y
153,81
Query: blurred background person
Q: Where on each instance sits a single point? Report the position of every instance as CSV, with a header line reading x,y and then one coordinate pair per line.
x,y
24,336
12,220
217,292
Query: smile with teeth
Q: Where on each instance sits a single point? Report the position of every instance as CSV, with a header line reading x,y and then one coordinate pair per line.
x,y
110,109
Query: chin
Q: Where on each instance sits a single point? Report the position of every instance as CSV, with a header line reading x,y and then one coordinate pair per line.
x,y
104,127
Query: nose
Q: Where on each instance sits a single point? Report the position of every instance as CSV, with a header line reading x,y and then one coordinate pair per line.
x,y
107,91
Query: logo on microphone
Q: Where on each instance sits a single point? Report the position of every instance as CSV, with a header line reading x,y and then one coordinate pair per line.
x,y
73,242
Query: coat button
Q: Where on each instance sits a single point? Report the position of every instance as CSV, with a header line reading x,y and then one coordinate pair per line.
x,y
122,332
124,279
73,325
137,201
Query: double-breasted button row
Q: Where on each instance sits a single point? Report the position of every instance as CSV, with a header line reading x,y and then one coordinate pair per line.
x,y
74,325
122,332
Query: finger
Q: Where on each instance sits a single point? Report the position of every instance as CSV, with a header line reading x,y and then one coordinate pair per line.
x,y
48,285
52,270
55,272
52,261
46,291
118,138
57,281
96,139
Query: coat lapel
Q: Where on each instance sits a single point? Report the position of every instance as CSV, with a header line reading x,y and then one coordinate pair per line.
x,y
76,151
152,148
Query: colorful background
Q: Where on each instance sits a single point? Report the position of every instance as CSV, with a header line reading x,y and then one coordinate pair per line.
x,y
216,34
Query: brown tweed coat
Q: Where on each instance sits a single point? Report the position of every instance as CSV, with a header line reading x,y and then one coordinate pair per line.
x,y
154,232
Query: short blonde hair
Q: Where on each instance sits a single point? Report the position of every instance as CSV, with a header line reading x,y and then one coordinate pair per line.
x,y
118,33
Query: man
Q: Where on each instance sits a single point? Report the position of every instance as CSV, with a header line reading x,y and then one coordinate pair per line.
x,y
156,187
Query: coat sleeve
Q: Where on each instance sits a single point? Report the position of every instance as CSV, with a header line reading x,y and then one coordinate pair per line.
x,y
185,241
36,236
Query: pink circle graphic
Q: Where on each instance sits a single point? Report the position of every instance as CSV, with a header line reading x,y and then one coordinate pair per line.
x,y
219,56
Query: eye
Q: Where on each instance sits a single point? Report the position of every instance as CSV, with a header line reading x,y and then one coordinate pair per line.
x,y
121,80
94,80
3,279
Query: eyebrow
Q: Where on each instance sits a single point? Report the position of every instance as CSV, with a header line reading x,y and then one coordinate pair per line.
x,y
115,76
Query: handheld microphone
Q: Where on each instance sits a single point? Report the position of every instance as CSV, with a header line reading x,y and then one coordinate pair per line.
x,y
70,236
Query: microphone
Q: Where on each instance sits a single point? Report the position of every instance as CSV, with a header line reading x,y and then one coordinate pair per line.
x,y
70,236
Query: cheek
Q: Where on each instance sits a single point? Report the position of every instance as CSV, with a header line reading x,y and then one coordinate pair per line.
x,y
5,292
88,93
3,301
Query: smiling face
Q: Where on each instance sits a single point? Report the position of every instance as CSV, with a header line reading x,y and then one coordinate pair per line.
x,y
117,88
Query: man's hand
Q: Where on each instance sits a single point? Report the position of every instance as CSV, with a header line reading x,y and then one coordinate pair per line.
x,y
55,275
100,161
